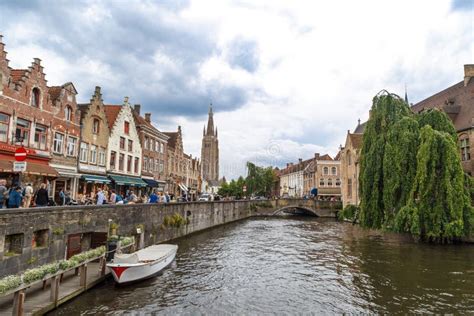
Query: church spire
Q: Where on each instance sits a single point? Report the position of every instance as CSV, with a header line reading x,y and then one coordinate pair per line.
x,y
210,122
406,95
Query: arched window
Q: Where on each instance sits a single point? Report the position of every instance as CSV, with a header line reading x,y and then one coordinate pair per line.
x,y
321,182
329,182
35,97
338,182
325,170
68,113
333,171
96,126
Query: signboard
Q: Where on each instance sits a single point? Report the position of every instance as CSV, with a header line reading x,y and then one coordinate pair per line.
x,y
20,154
19,166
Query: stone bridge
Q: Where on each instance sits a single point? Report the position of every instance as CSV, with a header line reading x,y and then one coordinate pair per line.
x,y
36,236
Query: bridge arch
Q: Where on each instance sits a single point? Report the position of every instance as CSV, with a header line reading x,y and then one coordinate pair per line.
x,y
296,210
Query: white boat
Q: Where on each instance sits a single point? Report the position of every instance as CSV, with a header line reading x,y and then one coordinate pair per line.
x,y
142,264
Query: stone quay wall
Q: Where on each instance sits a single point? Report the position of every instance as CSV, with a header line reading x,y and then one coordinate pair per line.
x,y
36,236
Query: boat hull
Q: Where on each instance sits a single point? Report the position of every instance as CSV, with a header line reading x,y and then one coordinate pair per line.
x,y
124,273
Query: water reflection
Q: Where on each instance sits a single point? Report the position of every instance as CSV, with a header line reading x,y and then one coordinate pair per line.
x,y
303,265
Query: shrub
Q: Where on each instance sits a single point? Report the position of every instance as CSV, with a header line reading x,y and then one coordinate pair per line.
x,y
9,283
349,212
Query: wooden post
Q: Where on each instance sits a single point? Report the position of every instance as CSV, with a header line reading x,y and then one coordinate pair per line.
x,y
83,276
55,289
18,303
141,244
102,266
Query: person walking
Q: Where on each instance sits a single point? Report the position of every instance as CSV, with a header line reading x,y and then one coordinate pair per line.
x,y
113,197
153,197
28,195
15,198
42,196
62,197
100,197
3,192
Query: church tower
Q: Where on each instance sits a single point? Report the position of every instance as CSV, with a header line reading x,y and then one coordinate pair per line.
x,y
210,150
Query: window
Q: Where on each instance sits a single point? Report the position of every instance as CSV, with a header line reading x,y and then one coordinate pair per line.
x,y
333,171
71,146
130,145
137,162
122,143
154,145
465,150
4,122
162,148
41,133
329,182
321,182
349,158
93,157
147,141
349,187
84,152
22,132
68,113
113,154
101,156
157,165
151,164
121,159
58,143
145,163
325,171
13,245
162,167
35,97
129,164
40,238
126,127
96,126
338,182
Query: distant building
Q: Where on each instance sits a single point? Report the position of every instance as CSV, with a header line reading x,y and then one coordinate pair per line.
x,y
177,164
457,102
210,151
292,180
323,173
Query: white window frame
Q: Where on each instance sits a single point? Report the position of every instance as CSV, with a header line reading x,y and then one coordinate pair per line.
x,y
58,143
93,154
71,144
83,153
101,159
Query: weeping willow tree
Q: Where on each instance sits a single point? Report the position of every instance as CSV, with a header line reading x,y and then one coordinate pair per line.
x,y
438,120
387,109
399,166
438,208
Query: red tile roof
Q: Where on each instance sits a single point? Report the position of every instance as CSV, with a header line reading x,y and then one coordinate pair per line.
x,y
17,74
111,112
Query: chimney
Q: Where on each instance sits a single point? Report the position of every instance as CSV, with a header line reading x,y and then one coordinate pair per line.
x,y
468,73
316,156
300,160
148,117
38,61
136,108
287,164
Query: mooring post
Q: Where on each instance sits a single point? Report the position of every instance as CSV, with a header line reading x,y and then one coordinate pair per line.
x,y
18,303
54,295
102,266
83,276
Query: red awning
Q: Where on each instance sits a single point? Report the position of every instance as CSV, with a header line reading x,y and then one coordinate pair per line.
x,y
31,168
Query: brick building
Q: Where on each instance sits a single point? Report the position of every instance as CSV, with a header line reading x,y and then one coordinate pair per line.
x,y
177,164
93,145
323,173
154,149
193,177
457,102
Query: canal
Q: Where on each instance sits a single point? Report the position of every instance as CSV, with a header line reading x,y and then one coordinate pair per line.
x,y
295,265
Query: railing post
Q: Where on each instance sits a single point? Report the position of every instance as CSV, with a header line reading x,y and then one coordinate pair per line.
x,y
102,266
18,303
54,290
83,275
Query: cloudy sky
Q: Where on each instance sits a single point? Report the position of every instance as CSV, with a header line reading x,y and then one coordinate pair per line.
x,y
286,78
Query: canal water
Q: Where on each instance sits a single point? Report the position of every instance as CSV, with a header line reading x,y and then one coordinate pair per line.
x,y
295,265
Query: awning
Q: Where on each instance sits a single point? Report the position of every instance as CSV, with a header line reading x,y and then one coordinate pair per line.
x,y
95,179
151,183
124,180
31,168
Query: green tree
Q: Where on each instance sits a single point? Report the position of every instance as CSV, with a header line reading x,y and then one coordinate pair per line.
x,y
387,109
438,120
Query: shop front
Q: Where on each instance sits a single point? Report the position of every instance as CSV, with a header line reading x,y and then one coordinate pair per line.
x,y
67,180
122,184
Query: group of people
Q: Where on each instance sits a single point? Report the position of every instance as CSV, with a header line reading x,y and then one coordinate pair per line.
x,y
105,196
17,196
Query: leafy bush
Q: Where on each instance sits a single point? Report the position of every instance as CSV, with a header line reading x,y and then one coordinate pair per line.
x,y
349,212
176,220
127,241
9,283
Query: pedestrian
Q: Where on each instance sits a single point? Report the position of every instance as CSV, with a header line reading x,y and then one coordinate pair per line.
x,y
167,197
113,197
42,196
153,197
100,197
15,198
119,199
62,197
3,192
132,198
28,195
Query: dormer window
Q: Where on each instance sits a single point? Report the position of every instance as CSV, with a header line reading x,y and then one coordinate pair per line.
x,y
68,113
35,97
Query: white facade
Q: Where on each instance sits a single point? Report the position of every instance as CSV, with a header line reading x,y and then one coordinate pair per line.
x,y
120,142
292,184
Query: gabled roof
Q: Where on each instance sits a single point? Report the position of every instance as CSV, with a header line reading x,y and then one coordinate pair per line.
x,y
173,138
360,128
338,156
111,112
356,140
17,74
325,157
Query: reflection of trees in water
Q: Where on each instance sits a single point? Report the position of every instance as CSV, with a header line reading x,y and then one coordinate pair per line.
x,y
398,276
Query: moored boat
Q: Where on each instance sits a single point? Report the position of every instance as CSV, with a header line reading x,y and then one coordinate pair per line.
x,y
142,264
